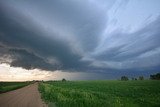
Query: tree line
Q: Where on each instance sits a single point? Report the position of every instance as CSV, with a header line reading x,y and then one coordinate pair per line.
x,y
152,77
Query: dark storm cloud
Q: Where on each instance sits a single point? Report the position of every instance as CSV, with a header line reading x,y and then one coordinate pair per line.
x,y
67,35
87,22
53,54
22,58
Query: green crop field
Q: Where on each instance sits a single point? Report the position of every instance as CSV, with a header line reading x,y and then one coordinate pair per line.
x,y
8,86
145,93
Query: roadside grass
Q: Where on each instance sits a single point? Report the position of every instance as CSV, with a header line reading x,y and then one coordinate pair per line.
x,y
8,86
102,93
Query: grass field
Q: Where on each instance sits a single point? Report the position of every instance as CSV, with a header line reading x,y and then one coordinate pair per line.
x,y
8,86
144,93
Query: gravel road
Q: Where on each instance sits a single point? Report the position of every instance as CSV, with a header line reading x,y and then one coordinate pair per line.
x,y
24,97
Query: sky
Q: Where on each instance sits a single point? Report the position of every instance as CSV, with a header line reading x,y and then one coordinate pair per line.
x,y
78,39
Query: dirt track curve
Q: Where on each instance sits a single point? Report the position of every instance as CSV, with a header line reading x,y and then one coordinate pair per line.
x,y
24,97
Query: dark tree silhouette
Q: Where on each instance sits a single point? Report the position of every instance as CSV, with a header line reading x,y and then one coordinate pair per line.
x,y
141,78
155,76
124,78
63,80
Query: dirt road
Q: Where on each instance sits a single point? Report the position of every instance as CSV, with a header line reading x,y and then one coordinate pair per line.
x,y
24,97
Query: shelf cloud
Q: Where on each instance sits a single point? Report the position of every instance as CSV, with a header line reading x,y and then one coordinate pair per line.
x,y
81,35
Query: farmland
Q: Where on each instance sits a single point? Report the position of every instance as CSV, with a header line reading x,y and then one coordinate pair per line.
x,y
144,93
8,86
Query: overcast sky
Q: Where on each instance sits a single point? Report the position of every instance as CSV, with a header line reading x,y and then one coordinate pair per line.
x,y
89,37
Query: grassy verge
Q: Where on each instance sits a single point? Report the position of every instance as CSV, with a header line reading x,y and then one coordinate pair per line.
x,y
102,93
8,86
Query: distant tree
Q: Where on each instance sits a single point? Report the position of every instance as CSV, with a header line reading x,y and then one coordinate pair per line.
x,y
63,80
155,77
132,78
141,78
124,78
135,79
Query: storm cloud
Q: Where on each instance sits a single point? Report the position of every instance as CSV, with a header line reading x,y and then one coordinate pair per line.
x,y
78,35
